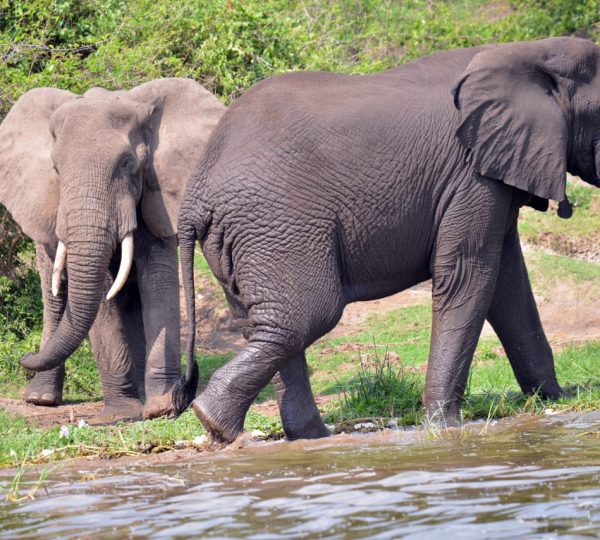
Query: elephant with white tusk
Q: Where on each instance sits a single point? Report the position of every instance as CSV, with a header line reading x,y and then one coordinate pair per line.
x,y
96,180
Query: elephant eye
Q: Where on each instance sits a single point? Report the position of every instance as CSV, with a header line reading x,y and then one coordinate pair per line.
x,y
128,163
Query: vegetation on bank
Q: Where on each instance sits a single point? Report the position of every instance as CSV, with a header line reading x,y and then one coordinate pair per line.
x,y
228,45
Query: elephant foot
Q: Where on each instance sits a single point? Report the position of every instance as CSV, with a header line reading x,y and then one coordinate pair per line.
x,y
443,417
122,410
313,429
218,430
45,388
553,392
45,399
157,406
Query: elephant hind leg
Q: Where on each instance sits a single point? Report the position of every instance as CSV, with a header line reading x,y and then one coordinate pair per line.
x,y
223,405
302,310
299,414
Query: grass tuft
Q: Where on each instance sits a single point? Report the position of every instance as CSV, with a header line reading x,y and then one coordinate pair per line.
x,y
378,392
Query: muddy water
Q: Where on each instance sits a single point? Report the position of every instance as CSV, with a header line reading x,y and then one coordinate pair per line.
x,y
538,478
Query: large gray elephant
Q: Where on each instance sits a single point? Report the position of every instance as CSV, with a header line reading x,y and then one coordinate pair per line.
x,y
318,189
97,181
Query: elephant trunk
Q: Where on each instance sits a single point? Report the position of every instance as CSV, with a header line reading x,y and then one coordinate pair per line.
x,y
90,223
87,266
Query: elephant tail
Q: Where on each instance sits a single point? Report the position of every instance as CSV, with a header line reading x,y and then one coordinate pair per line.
x,y
185,389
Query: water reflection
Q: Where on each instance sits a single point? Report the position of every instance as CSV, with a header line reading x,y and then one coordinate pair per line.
x,y
537,478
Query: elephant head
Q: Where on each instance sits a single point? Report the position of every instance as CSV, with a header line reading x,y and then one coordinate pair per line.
x,y
530,112
81,172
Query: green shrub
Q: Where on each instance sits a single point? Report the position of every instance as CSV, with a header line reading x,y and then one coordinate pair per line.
x,y
20,293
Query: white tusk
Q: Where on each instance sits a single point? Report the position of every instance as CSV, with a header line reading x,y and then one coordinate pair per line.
x,y
59,265
124,267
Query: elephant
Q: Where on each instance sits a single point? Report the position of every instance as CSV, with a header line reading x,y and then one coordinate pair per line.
x,y
96,181
320,189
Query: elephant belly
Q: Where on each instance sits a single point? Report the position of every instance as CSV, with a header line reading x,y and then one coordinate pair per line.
x,y
385,268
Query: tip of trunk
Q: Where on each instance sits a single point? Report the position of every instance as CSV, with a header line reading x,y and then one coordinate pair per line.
x,y
35,362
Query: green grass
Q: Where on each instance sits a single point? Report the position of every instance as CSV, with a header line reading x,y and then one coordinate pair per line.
x,y
551,269
379,392
403,333
82,379
384,391
22,443
380,370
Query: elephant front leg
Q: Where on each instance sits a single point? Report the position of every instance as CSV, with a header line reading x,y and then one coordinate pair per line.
x,y
299,414
115,364
131,311
158,282
464,268
46,387
514,316
456,326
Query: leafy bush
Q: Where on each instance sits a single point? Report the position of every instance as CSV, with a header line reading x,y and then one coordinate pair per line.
x,y
230,44
20,293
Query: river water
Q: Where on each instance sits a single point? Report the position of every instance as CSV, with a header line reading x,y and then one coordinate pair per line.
x,y
533,477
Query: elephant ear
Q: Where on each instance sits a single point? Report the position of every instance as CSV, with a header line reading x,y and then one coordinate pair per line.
x,y
184,116
509,99
29,186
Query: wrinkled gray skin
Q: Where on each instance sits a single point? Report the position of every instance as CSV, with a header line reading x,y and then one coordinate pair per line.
x,y
317,190
88,171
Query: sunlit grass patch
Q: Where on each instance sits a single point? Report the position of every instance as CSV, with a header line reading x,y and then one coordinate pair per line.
x,y
380,391
546,271
402,335
82,381
383,391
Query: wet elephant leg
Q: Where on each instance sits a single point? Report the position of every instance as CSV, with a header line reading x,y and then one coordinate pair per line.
x,y
299,414
46,387
289,316
514,316
115,363
223,405
158,281
465,266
